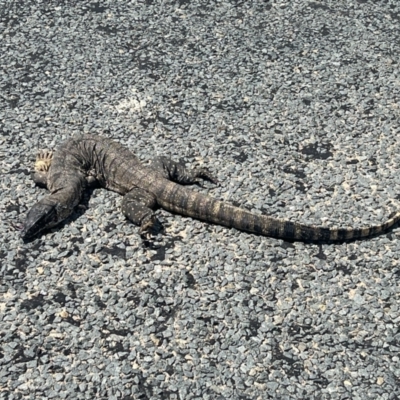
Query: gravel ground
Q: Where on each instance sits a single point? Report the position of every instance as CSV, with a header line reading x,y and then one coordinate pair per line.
x,y
294,105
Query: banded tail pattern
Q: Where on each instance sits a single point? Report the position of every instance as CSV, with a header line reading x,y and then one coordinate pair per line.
x,y
178,199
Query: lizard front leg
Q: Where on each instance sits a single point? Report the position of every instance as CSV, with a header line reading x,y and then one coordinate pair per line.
x,y
41,168
42,165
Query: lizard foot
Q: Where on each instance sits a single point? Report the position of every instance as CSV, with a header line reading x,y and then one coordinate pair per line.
x,y
43,160
205,174
151,225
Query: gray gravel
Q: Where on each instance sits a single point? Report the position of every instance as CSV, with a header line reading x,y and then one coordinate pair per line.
x,y
295,106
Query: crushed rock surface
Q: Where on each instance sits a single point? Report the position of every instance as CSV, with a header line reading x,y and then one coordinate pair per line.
x,y
294,105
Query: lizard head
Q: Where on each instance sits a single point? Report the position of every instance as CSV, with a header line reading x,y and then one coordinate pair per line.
x,y
43,215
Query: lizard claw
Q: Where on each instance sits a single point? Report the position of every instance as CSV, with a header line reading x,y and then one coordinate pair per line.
x,y
150,226
43,160
203,173
147,226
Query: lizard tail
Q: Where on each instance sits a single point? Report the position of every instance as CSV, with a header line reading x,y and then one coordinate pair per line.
x,y
180,200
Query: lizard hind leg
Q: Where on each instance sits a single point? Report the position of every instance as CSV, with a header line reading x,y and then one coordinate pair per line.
x,y
179,173
137,205
42,164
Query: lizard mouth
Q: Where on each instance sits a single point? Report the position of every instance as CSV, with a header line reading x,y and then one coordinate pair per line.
x,y
40,217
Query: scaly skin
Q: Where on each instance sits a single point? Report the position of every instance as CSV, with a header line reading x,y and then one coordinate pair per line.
x,y
91,158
